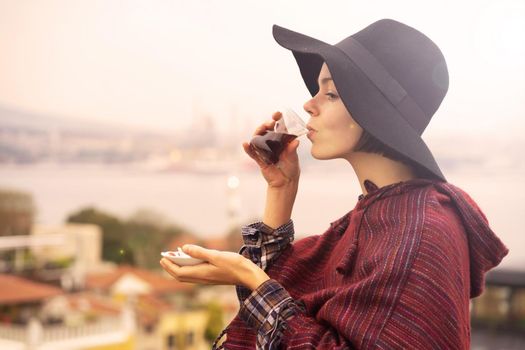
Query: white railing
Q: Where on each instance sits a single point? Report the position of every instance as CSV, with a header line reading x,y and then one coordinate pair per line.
x,y
35,336
12,332
54,333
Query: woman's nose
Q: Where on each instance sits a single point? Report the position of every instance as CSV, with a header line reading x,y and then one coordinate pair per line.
x,y
310,108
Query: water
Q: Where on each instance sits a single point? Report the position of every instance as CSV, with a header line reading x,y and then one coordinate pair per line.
x,y
202,202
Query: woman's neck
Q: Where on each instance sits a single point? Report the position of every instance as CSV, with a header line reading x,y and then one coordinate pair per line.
x,y
378,169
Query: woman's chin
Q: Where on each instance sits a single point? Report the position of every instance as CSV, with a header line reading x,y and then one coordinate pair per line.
x,y
319,156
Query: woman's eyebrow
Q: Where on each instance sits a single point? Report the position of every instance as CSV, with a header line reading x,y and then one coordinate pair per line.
x,y
324,80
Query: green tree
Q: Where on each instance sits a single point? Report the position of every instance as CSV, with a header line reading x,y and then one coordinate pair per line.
x,y
215,322
115,246
149,233
138,240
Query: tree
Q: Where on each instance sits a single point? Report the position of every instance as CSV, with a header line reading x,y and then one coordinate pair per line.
x,y
149,233
138,240
115,246
215,322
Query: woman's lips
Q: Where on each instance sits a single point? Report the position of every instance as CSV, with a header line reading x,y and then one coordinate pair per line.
x,y
311,131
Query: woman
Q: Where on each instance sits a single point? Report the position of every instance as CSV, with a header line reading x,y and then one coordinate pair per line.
x,y
398,270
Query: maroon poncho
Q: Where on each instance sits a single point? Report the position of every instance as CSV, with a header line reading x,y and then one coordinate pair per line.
x,y
401,280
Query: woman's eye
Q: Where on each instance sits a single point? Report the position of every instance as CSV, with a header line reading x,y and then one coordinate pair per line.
x,y
331,96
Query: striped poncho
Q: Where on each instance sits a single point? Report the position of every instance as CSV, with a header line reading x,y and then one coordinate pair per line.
x,y
395,272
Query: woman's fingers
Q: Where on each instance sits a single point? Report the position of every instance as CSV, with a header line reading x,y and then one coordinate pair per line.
x,y
204,273
253,155
192,274
292,146
261,129
277,115
198,252
268,125
223,267
249,151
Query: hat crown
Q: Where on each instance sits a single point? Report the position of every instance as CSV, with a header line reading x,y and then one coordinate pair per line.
x,y
411,58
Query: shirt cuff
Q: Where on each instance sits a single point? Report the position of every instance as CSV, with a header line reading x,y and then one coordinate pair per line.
x,y
266,310
262,244
242,293
258,233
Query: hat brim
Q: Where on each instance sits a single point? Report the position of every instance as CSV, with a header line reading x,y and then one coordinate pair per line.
x,y
365,102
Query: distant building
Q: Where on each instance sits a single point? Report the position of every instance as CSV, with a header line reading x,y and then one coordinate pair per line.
x,y
83,242
502,304
20,298
37,316
165,314
17,210
128,280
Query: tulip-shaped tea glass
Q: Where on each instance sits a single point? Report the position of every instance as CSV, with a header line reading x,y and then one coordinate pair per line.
x,y
270,145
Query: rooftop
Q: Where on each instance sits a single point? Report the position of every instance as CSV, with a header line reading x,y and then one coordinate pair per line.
x,y
17,290
157,284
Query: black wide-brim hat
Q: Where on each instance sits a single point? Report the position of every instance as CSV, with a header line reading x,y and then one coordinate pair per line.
x,y
390,77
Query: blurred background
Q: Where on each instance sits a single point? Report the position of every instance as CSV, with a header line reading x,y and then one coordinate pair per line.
x,y
121,125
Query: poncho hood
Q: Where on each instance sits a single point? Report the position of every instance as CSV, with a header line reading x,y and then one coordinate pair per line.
x,y
486,250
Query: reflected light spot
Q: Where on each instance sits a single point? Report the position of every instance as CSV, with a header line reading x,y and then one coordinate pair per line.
x,y
233,182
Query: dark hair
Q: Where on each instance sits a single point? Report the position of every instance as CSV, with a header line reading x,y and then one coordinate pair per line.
x,y
369,144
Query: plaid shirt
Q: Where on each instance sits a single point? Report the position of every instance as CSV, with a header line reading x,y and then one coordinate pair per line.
x,y
269,306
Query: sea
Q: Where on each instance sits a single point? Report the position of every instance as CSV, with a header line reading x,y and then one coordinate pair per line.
x,y
208,203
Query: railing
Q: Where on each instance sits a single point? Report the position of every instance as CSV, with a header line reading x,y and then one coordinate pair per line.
x,y
54,333
12,332
36,336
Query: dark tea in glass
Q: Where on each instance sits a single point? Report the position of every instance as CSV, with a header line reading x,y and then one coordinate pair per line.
x,y
269,146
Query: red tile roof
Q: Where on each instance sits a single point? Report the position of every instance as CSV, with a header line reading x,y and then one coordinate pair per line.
x,y
158,283
15,290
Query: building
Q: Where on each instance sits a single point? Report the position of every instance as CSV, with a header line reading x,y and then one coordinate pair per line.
x,y
29,320
502,304
168,314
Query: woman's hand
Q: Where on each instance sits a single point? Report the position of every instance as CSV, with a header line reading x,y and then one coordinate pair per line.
x,y
220,268
287,170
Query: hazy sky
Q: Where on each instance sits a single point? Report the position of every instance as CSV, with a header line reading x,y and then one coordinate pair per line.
x,y
155,62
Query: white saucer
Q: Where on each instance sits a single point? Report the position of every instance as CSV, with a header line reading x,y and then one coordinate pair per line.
x,y
180,258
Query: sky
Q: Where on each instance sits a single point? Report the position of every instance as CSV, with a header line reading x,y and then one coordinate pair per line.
x,y
157,63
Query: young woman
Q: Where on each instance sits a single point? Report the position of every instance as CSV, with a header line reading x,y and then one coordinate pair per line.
x,y
397,271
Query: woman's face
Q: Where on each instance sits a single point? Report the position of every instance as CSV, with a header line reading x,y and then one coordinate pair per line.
x,y
335,133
